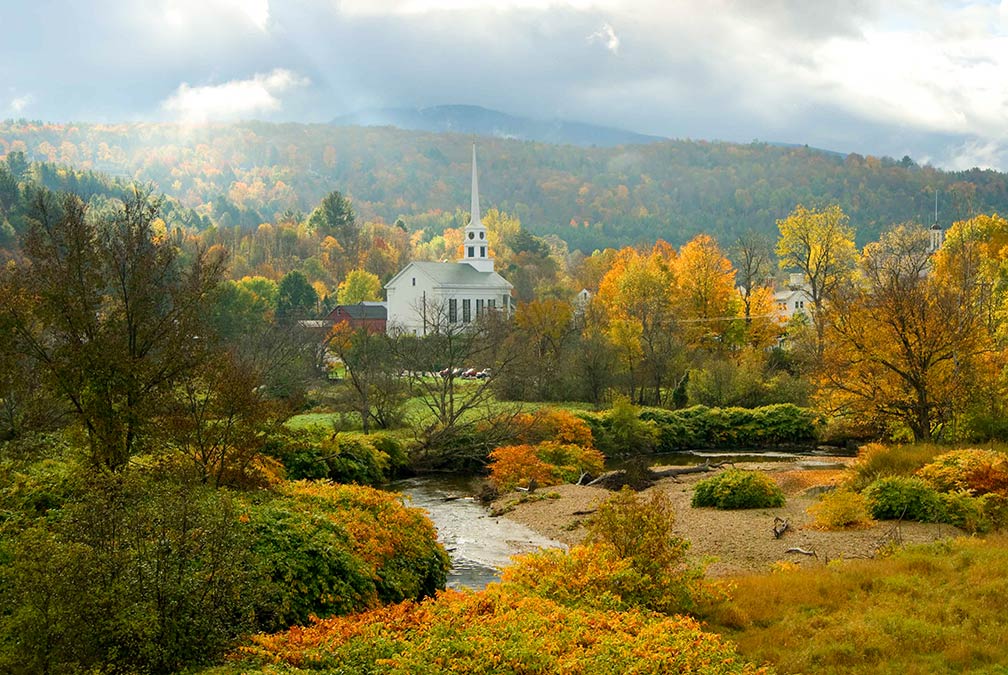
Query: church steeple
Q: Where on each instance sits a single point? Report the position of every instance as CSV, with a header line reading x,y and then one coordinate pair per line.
x,y
475,246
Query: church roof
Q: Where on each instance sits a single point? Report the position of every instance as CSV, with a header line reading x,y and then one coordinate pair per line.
x,y
454,274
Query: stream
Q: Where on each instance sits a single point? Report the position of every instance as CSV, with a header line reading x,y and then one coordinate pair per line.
x,y
479,544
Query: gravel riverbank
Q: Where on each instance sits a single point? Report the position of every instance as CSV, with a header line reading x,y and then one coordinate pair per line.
x,y
735,541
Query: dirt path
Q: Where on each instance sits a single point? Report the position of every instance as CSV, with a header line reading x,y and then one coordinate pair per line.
x,y
736,541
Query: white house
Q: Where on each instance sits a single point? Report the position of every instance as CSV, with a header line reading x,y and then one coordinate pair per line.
x,y
794,298
426,296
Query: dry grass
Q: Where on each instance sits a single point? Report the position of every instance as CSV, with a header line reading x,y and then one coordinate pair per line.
x,y
795,481
928,609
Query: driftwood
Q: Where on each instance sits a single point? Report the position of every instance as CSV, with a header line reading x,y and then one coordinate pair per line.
x,y
584,513
780,526
696,468
803,552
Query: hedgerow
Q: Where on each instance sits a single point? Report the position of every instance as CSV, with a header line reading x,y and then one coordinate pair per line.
x,y
700,427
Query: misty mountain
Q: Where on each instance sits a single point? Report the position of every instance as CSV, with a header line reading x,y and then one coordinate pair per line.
x,y
472,119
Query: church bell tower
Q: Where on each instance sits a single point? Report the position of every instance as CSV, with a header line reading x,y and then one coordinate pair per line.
x,y
475,247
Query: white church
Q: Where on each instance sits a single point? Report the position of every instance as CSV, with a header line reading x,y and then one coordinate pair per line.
x,y
429,296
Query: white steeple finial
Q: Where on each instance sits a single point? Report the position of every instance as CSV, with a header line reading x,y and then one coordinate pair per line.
x,y
474,213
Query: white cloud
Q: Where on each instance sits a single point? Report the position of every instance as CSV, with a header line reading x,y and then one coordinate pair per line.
x,y
19,103
607,36
181,13
234,99
976,153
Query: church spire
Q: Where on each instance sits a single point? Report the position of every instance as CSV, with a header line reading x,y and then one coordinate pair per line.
x,y
475,244
474,212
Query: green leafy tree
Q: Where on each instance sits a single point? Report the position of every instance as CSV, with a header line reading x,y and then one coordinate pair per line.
x,y
110,315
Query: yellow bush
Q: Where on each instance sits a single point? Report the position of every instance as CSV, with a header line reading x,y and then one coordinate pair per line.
x,y
841,510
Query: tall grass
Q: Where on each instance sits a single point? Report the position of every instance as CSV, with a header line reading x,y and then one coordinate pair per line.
x,y
929,609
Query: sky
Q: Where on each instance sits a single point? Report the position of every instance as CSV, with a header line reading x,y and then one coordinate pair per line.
x,y
924,78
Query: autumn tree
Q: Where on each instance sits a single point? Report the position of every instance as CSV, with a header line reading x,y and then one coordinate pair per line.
x,y
820,244
359,286
902,339
112,317
704,291
637,297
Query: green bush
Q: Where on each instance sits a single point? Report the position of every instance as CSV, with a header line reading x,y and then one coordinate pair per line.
x,y
904,498
130,574
737,489
347,457
622,430
332,549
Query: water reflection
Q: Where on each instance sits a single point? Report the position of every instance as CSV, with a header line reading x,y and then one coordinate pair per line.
x,y
479,544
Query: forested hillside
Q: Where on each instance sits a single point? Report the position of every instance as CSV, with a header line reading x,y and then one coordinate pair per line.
x,y
250,173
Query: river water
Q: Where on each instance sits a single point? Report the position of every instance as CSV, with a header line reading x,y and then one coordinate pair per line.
x,y
479,544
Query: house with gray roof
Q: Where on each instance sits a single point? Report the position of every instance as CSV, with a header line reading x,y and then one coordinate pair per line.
x,y
429,296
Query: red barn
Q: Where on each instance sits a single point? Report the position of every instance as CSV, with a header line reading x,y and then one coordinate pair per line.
x,y
372,316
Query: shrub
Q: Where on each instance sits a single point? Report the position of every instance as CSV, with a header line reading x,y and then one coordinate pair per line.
x,y
621,431
131,574
548,463
333,549
906,498
347,457
737,489
496,631
841,510
979,471
636,527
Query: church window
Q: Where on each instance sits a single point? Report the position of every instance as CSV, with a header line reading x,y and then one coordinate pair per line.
x,y
482,234
452,310
466,310
479,306
414,281
472,234
482,251
504,301
472,251
491,304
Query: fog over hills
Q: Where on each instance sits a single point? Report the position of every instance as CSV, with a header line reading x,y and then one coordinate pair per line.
x,y
472,119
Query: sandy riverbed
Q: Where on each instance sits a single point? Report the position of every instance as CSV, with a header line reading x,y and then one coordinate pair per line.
x,y
737,541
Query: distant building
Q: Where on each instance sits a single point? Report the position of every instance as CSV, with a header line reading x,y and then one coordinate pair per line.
x,y
794,298
372,316
428,296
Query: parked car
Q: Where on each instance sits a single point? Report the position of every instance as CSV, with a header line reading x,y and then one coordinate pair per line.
x,y
470,373
483,374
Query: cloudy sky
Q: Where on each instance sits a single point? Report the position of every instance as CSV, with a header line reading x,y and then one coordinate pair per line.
x,y
926,78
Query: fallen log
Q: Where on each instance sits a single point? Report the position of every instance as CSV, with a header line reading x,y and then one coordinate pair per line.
x,y
780,526
696,468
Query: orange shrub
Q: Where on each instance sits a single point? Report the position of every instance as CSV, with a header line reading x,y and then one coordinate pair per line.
x,y
548,463
841,510
979,471
495,631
